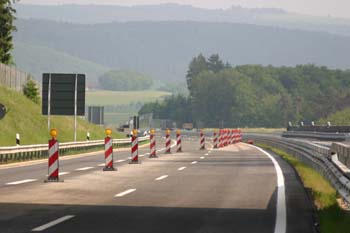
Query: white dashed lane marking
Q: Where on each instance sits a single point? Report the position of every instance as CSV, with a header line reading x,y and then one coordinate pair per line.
x,y
181,168
84,168
125,193
194,162
53,223
161,177
21,182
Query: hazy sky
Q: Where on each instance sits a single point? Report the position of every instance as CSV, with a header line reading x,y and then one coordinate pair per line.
x,y
337,8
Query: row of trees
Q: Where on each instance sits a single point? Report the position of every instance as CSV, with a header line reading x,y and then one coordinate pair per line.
x,y
255,96
7,17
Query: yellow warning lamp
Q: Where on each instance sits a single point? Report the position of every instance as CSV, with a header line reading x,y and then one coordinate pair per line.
x,y
167,131
152,131
178,131
53,133
134,132
108,132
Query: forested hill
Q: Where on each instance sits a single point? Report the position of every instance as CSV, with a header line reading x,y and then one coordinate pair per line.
x,y
163,49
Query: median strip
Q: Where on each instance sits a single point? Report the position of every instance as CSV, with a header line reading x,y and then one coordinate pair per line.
x,y
125,193
53,223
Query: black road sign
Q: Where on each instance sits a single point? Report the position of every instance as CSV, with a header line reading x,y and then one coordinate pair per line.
x,y
62,97
96,115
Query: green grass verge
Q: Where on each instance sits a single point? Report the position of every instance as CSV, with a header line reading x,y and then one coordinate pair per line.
x,y
24,117
332,218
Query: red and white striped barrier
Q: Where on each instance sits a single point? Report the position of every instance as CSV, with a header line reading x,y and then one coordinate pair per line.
x,y
225,137
215,140
230,135
221,138
233,134
108,154
202,140
178,141
134,148
167,142
53,170
153,145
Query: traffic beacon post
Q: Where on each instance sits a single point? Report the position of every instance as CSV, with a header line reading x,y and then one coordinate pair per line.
x,y
215,139
109,165
167,142
134,148
53,165
178,141
202,140
153,144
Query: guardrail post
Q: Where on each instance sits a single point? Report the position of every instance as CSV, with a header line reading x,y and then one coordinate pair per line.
x,y
88,136
18,139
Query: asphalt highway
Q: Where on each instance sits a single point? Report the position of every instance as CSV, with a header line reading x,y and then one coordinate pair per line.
x,y
238,188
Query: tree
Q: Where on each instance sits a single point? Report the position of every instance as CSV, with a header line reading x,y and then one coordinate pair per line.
x,y
7,18
197,65
31,91
215,64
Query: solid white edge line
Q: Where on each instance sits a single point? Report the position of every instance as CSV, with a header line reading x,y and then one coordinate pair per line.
x,y
281,212
125,193
181,168
53,223
161,177
21,182
101,165
120,161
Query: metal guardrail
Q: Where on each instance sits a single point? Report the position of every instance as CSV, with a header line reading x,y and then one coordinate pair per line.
x,y
317,135
30,152
316,156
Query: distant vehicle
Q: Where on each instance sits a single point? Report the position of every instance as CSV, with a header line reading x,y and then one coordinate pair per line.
x,y
140,133
188,126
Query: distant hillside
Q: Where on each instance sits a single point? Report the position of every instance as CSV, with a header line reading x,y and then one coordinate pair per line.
x,y
92,14
39,59
24,117
164,49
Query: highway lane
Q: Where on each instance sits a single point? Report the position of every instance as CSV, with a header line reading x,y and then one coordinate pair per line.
x,y
228,190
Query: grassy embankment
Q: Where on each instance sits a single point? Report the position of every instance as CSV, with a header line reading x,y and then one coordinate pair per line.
x,y
24,117
332,218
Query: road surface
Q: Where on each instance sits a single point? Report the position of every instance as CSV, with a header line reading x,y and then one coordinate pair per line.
x,y
233,189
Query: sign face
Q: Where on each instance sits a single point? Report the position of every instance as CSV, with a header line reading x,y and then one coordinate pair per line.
x,y
62,98
2,111
96,115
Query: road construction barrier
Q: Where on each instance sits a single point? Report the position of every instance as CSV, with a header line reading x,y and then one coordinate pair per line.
x,y
53,163
225,137
134,148
109,164
153,153
178,141
233,136
230,137
215,140
221,138
202,140
167,142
